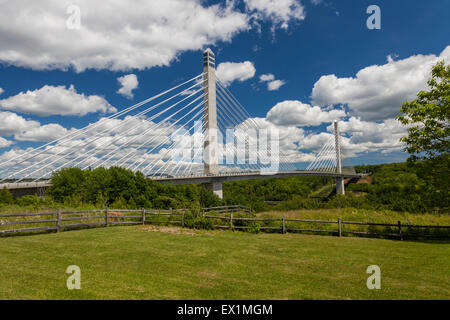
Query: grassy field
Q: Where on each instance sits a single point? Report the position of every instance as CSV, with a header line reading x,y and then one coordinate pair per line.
x,y
352,214
145,262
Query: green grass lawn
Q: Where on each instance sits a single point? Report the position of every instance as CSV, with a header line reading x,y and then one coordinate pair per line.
x,y
171,263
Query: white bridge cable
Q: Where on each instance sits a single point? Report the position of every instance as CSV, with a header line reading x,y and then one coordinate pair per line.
x,y
243,123
234,123
245,115
194,157
89,127
180,163
226,144
142,162
158,145
117,137
138,136
242,114
325,160
165,130
168,150
314,165
231,123
100,135
319,159
188,168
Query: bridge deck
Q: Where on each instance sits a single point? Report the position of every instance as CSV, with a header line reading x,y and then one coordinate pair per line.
x,y
201,179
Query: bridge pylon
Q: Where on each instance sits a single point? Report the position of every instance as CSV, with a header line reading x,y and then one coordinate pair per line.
x,y
340,189
210,146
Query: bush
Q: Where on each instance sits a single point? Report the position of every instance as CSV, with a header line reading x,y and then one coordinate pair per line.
x,y
6,197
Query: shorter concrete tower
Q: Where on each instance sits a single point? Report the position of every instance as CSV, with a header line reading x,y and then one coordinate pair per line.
x,y
340,180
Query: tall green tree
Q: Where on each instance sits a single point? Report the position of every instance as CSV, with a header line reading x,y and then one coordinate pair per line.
x,y
427,117
428,136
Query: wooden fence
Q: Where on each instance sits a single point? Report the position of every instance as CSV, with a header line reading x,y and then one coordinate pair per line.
x,y
225,209
66,220
339,230
63,219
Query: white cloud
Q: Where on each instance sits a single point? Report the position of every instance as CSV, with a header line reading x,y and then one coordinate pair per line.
x,y
267,77
1,90
275,85
272,83
365,136
377,92
316,2
296,113
12,124
50,100
5,143
280,12
119,36
45,133
128,82
228,72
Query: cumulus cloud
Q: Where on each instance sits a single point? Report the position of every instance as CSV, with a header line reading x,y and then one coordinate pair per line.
x,y
1,90
279,12
11,124
228,72
5,143
272,83
377,92
114,37
267,77
45,133
275,85
296,113
128,82
366,136
59,100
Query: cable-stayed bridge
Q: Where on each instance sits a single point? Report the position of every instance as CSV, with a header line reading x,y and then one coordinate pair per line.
x,y
194,132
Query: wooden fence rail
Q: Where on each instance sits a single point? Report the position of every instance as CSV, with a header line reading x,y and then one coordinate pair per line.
x,y
108,217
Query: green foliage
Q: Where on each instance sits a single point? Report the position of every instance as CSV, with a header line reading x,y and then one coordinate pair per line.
x,y
123,189
428,137
429,132
196,221
6,197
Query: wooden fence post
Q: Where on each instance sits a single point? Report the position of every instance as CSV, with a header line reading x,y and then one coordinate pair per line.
x,y
400,230
231,221
284,226
143,216
339,227
182,219
106,217
58,223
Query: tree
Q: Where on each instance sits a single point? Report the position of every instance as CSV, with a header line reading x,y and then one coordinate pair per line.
x,y
6,196
427,116
428,136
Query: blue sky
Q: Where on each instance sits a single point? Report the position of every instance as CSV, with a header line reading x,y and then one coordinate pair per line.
x,y
301,43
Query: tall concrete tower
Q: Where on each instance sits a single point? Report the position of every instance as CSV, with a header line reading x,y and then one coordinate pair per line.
x,y
340,180
210,147
210,153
